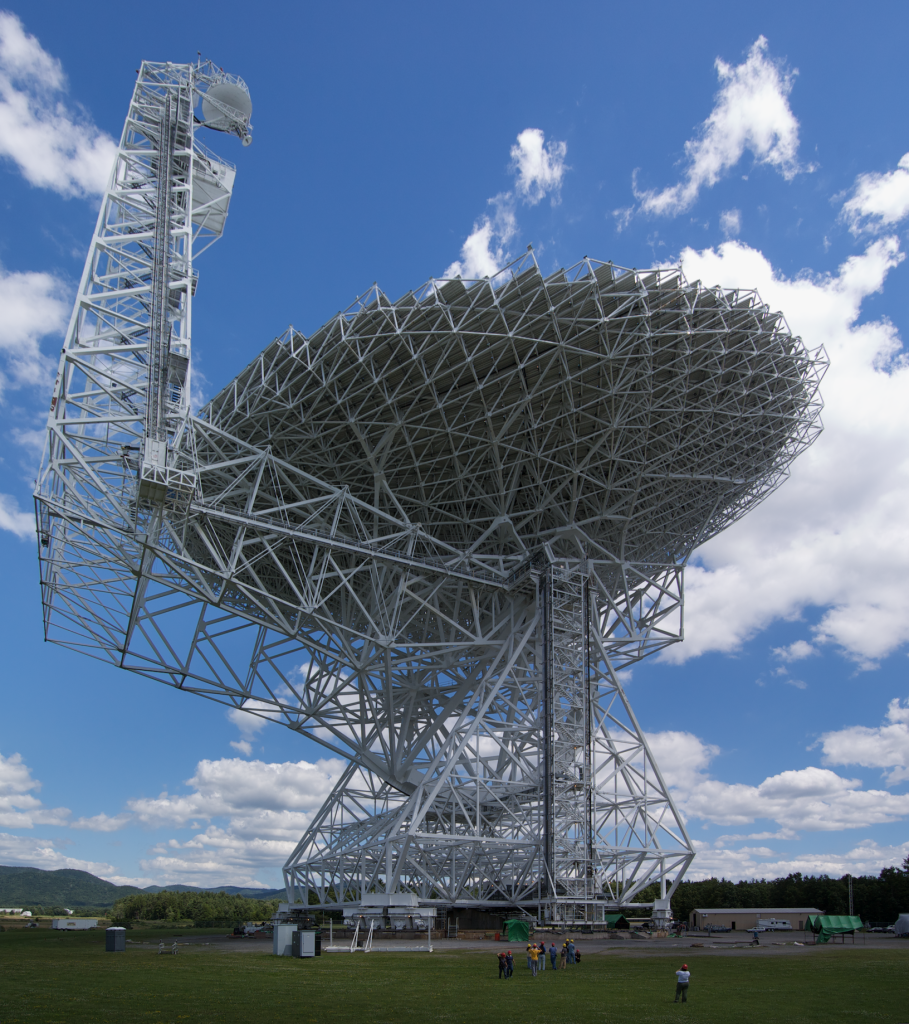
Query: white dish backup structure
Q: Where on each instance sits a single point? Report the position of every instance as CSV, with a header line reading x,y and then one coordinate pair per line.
x,y
428,537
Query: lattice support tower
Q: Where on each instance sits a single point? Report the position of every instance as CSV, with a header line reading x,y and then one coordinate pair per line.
x,y
428,537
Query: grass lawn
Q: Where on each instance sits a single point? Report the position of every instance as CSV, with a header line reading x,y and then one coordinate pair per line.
x,y
69,978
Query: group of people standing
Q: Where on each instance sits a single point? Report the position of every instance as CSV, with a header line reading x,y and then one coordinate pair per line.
x,y
569,954
536,958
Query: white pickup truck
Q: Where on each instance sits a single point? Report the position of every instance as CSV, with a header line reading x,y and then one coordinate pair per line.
x,y
771,924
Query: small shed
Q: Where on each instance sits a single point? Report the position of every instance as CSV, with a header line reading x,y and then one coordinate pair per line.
x,y
517,929
616,921
826,925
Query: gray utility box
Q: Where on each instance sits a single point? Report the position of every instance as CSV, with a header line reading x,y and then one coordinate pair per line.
x,y
115,940
306,942
282,938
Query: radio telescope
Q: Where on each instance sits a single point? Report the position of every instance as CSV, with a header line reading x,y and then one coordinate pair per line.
x,y
428,537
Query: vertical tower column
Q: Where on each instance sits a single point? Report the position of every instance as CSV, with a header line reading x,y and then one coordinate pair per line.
x,y
119,447
611,828
566,727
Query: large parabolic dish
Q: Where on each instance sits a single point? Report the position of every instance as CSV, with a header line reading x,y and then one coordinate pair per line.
x,y
626,415
427,536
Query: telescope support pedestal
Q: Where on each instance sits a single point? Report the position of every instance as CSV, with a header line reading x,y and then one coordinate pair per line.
x,y
544,794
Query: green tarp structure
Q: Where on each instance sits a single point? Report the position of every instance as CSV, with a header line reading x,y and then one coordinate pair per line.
x,y
825,925
615,921
517,929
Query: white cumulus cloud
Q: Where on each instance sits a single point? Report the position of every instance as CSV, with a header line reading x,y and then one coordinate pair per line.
x,y
718,861
216,857
250,719
884,747
34,305
22,524
28,851
102,822
782,833
19,807
811,799
751,114
230,787
245,817
731,223
485,251
52,145
799,684
835,536
795,651
261,810
682,757
878,201
539,166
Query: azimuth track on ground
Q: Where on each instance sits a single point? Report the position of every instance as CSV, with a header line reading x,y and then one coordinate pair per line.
x,y
427,537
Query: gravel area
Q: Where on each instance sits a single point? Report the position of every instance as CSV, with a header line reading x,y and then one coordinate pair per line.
x,y
589,945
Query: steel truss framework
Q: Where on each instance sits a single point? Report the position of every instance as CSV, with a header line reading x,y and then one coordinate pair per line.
x,y
428,537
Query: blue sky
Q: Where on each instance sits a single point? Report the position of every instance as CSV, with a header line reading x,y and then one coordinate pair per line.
x,y
762,147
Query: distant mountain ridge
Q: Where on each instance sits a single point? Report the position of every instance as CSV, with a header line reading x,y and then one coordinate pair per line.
x,y
231,890
67,887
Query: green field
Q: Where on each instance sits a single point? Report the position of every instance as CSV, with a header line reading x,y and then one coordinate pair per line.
x,y
70,979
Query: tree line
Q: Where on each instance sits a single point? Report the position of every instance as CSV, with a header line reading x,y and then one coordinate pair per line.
x,y
192,906
879,899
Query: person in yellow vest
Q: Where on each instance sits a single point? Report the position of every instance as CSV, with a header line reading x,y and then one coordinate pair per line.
x,y
534,958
